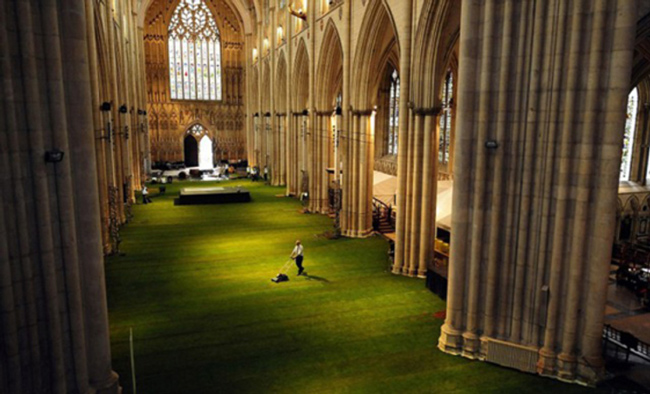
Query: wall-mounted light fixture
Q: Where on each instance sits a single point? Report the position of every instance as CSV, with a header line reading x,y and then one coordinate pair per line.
x,y
123,109
300,12
54,156
491,144
280,34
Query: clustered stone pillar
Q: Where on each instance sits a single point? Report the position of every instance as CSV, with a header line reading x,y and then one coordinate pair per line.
x,y
319,162
119,116
54,335
268,147
356,211
256,141
296,150
542,93
304,148
279,176
416,232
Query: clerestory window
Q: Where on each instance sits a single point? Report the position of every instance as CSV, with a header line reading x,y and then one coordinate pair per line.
x,y
445,119
393,114
628,139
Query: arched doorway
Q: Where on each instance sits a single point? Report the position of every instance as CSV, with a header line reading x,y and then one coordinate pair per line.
x,y
205,154
198,148
191,151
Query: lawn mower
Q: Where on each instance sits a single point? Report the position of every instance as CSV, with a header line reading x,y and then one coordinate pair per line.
x,y
282,277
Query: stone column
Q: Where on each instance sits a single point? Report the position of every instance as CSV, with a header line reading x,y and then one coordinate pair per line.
x,y
357,187
50,227
429,193
538,139
403,147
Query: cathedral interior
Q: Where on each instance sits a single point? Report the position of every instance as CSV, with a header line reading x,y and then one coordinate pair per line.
x,y
470,181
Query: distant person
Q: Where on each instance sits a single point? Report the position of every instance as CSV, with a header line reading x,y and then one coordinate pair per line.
x,y
145,195
266,173
297,255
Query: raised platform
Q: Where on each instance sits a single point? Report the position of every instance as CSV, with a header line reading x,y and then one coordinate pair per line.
x,y
212,195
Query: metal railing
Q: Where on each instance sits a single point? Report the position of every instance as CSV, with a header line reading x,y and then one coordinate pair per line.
x,y
381,212
626,341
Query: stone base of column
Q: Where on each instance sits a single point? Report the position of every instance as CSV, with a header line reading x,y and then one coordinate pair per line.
x,y
110,386
590,371
396,270
366,233
451,340
471,346
412,272
406,271
357,233
563,367
546,362
566,367
569,368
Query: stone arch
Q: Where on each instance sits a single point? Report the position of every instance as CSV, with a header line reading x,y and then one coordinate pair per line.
x,y
266,86
641,63
377,36
328,85
629,221
329,68
300,77
645,207
190,140
632,205
435,50
238,6
255,84
279,175
281,83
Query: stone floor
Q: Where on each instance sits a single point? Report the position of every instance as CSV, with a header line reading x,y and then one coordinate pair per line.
x,y
624,312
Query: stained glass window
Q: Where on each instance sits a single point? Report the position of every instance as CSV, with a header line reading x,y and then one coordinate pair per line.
x,y
197,129
393,114
628,138
445,120
194,48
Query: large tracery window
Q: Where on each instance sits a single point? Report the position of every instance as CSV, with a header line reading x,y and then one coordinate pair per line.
x,y
628,139
445,120
393,114
194,53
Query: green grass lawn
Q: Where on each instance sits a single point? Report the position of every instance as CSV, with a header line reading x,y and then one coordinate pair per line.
x,y
195,287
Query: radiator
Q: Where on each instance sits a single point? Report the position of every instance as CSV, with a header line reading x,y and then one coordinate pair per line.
x,y
512,355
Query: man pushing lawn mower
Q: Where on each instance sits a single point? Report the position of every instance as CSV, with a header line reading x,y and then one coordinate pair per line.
x,y
296,255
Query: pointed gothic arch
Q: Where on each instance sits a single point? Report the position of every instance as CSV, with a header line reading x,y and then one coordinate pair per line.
x,y
377,39
437,34
300,77
191,136
329,69
281,83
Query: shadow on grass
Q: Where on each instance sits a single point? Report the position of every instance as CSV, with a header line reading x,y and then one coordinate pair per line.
x,y
314,277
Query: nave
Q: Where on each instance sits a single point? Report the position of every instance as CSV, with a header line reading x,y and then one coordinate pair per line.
x,y
194,284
